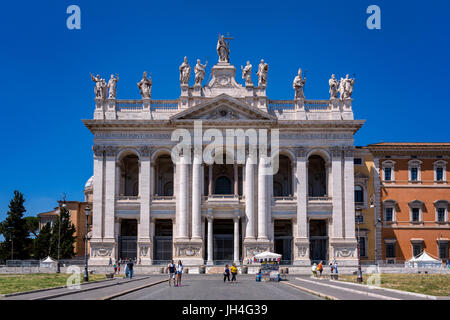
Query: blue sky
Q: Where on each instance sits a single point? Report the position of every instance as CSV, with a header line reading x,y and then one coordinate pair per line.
x,y
402,70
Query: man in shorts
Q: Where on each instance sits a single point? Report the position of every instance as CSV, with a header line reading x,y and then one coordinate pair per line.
x,y
171,268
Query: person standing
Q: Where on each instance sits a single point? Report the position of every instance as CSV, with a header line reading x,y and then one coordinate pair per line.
x,y
115,268
335,269
179,273
171,268
320,268
233,272
126,270
314,269
226,273
130,268
118,267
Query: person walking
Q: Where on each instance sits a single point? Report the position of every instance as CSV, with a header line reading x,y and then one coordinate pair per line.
x,y
110,261
233,272
226,273
118,267
314,269
130,268
172,269
335,266
115,268
179,273
127,273
320,268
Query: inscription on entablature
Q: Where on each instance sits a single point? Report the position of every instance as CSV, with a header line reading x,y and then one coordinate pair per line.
x,y
312,136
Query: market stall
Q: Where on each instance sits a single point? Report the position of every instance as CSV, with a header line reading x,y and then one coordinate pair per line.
x,y
270,264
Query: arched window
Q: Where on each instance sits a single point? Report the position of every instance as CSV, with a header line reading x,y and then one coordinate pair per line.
x,y
129,175
359,194
164,171
223,186
282,180
317,180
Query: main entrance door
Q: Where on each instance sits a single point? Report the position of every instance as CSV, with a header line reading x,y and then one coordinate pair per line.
x,y
223,230
283,240
162,241
318,241
128,239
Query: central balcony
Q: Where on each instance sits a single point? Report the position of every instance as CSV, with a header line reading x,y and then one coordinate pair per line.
x,y
222,199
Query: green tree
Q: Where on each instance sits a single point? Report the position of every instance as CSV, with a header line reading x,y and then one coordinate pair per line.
x,y
65,235
42,242
14,229
32,225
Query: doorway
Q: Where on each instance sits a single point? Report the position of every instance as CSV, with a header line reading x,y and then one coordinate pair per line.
x,y
318,241
163,241
128,239
283,240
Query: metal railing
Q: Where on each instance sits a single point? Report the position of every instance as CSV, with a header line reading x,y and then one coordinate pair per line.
x,y
163,198
129,198
285,198
324,198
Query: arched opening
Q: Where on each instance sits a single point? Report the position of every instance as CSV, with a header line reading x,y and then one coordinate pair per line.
x,y
129,175
164,171
223,186
317,177
282,180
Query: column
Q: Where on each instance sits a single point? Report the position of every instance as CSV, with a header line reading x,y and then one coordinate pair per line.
x,y
301,240
349,187
236,239
210,241
144,193
262,200
196,198
302,194
152,180
249,197
210,182
236,180
97,210
110,191
182,213
336,168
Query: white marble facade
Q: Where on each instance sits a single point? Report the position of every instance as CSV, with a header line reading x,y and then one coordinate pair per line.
x,y
139,192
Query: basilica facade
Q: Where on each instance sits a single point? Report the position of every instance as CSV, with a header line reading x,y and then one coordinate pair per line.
x,y
152,206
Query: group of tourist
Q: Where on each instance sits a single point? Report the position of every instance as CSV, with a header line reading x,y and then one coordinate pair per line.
x,y
175,272
226,274
318,269
129,264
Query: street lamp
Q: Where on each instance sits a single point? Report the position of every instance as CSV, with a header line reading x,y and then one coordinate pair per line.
x,y
87,211
359,273
58,266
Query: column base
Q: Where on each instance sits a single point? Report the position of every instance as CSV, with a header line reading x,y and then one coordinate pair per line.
x,y
344,251
145,248
190,252
252,247
301,252
101,251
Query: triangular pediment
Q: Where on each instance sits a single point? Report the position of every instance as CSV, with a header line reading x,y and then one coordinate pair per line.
x,y
223,108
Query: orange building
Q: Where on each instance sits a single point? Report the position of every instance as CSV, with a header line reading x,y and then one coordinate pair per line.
x,y
412,196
